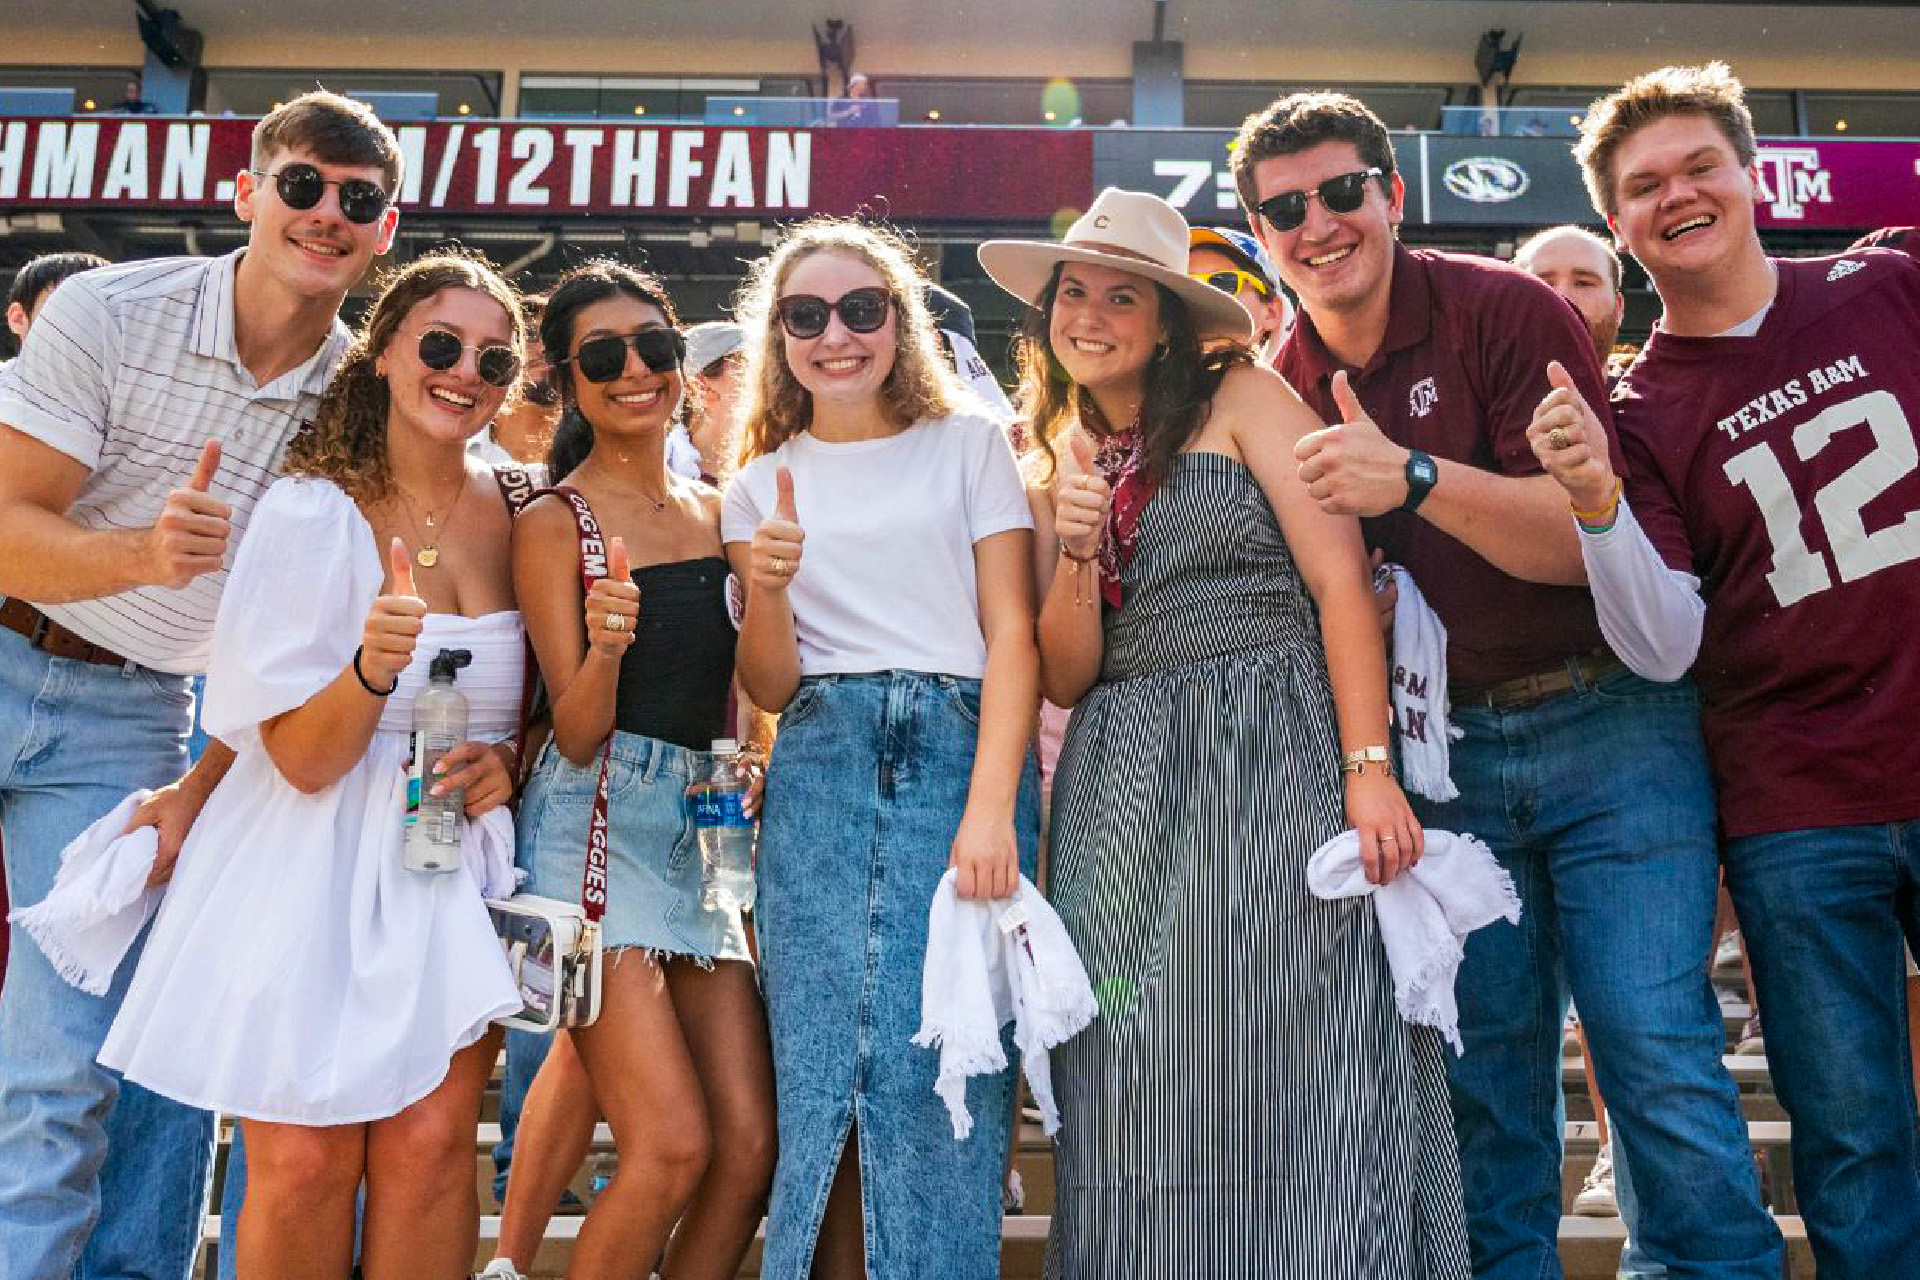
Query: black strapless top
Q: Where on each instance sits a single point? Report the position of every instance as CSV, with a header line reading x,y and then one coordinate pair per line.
x,y
677,673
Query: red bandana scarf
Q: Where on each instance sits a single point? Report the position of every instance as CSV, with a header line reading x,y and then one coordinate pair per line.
x,y
1120,463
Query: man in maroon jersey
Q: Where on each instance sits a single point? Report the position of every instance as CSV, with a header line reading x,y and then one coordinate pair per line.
x,y
1771,541
1589,783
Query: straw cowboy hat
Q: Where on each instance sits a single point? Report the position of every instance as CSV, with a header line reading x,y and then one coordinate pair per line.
x,y
1129,231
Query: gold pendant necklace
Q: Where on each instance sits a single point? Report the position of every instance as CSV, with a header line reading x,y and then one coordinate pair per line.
x,y
429,553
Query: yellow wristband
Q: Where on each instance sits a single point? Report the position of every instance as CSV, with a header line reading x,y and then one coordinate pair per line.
x,y
1612,505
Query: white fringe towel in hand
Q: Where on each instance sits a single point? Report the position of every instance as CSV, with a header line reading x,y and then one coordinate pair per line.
x,y
1425,915
1419,692
100,900
988,964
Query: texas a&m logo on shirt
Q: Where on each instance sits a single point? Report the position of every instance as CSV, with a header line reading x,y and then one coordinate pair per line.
x,y
1421,397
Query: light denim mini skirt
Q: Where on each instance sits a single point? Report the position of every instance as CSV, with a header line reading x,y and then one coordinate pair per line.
x,y
653,860
864,795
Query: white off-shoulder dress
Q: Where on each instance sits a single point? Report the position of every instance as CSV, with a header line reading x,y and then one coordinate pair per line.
x,y
296,971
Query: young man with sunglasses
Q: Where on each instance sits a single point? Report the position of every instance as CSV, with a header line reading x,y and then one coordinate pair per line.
x,y
1770,541
1234,262
1589,783
149,409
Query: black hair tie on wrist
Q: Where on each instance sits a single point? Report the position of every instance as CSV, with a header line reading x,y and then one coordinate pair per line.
x,y
361,676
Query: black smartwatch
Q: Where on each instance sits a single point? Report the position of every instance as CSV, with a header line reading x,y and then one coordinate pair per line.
x,y
1421,475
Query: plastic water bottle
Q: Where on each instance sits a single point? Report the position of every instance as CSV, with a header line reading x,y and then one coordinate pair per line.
x,y
725,832
439,725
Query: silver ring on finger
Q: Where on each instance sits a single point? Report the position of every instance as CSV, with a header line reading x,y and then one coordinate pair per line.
x,y
616,622
1559,439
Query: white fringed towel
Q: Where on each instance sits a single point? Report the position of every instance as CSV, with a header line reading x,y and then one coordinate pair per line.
x,y
1425,915
988,964
1419,691
99,901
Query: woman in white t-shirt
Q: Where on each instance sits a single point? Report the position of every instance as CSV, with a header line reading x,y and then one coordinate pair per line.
x,y
884,536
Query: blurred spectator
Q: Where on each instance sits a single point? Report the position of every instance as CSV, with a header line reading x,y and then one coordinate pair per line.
x,y
33,285
703,446
1234,262
522,433
955,320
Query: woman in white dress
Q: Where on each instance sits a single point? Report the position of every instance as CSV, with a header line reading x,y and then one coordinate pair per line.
x,y
298,975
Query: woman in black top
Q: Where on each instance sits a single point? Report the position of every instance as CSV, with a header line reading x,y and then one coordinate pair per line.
x,y
678,1059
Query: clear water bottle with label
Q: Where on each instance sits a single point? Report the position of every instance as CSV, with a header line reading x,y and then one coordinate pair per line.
x,y
439,725
725,832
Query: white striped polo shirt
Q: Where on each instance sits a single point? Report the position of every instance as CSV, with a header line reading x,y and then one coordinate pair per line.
x,y
130,370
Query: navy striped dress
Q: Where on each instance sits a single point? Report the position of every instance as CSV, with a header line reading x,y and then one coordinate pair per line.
x,y
1249,1103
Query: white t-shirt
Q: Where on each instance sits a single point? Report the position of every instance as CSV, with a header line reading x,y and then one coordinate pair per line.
x,y
886,579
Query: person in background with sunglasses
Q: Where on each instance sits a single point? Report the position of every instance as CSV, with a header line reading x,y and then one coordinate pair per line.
x,y
299,975
886,542
709,438
522,434
148,412
1234,262
1589,783
678,1060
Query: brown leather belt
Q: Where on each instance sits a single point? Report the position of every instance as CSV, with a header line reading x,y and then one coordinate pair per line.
x,y
1523,690
48,636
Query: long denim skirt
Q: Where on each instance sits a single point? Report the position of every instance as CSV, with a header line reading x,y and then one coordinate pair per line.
x,y
868,781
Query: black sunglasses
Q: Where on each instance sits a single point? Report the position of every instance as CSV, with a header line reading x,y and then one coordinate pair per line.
x,y
862,310
604,358
441,350
301,186
1343,194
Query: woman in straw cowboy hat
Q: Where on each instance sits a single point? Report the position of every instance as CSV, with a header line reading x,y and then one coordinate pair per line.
x,y
1249,1102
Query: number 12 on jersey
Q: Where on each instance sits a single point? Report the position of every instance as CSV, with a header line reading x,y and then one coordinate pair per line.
x,y
1798,571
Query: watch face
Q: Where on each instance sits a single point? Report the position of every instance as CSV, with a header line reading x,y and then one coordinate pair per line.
x,y
1423,470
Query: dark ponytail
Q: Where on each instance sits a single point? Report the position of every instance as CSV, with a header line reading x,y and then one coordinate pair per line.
x,y
578,289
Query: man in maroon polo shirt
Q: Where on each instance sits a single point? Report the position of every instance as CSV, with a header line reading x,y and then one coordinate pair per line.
x,y
1771,542
1588,782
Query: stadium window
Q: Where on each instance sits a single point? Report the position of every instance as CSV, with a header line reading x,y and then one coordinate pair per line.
x,y
1863,115
254,92
1090,103
668,98
1224,104
1772,109
95,84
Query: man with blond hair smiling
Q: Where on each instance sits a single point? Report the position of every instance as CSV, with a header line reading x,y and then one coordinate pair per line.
x,y
1769,538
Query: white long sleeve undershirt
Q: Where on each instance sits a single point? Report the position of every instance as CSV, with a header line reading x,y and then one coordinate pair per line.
x,y
1651,615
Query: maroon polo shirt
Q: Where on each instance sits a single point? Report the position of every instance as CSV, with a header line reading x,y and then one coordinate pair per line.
x,y
1458,375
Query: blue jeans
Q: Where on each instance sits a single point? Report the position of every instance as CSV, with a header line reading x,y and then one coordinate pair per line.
x,y
124,1181
1599,804
1823,913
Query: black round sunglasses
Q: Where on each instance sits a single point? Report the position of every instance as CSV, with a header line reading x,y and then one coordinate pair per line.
x,y
440,350
301,185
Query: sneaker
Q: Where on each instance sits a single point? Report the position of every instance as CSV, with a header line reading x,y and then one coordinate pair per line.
x,y
500,1269
1596,1196
1727,956
1751,1040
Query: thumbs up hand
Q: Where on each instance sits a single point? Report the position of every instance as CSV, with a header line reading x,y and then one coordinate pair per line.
x,y
1081,497
1567,437
190,537
1351,468
613,606
393,624
777,542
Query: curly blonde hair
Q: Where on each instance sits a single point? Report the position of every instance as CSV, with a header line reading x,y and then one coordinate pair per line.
x,y
921,385
347,440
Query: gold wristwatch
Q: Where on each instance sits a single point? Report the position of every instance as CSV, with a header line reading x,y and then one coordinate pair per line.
x,y
1356,762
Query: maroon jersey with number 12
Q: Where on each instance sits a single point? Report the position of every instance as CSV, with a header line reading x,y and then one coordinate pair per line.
x,y
1783,470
